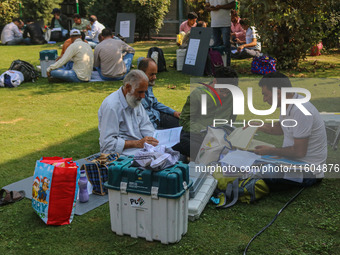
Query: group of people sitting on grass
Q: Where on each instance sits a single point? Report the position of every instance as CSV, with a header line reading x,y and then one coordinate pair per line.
x,y
112,58
238,37
17,32
129,116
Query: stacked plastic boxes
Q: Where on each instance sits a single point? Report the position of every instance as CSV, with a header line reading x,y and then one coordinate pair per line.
x,y
200,192
148,204
180,55
47,58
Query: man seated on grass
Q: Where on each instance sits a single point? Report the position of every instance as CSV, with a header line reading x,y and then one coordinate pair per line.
x,y
112,58
67,43
123,123
59,21
160,115
11,34
194,122
82,56
33,33
251,47
80,23
305,142
93,31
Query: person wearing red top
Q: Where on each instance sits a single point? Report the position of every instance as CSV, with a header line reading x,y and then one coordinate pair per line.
x,y
236,29
188,24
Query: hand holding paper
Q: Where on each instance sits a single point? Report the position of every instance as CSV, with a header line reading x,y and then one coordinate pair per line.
x,y
168,137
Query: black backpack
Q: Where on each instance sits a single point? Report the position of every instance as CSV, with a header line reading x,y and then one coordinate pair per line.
x,y
27,69
161,64
56,36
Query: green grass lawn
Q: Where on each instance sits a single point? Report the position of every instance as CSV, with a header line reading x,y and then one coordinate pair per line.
x,y
41,119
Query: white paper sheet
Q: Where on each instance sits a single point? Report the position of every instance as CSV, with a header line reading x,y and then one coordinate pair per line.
x,y
125,28
168,137
235,51
192,52
240,158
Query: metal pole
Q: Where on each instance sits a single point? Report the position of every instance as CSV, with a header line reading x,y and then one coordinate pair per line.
x,y
180,11
20,10
77,6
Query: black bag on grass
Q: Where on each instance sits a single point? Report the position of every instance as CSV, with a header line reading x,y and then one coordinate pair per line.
x,y
27,69
56,36
160,60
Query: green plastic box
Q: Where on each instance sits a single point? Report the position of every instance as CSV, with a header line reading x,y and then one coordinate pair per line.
x,y
48,55
169,183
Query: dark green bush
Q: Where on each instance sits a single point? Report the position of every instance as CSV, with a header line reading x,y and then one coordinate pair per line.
x,y
8,10
39,9
288,28
149,13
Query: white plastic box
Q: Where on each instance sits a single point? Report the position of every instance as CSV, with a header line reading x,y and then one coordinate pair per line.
x,y
202,197
47,58
44,65
137,215
180,55
148,204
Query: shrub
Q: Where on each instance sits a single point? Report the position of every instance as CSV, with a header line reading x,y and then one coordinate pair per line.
x,y
198,7
149,14
106,11
39,9
8,10
288,28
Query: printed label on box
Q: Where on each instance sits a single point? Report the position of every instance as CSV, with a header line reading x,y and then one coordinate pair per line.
x,y
137,202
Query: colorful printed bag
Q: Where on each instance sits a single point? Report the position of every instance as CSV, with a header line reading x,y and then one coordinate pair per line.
x,y
55,188
263,65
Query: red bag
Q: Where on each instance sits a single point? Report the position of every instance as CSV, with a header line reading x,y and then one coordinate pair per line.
x,y
55,188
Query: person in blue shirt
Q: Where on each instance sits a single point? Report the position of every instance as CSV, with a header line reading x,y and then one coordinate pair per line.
x,y
161,116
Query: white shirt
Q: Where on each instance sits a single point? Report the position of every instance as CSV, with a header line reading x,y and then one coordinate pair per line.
x,y
311,127
119,122
82,56
222,17
96,29
250,35
10,32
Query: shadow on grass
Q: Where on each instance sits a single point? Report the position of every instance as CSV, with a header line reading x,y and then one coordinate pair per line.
x,y
329,104
77,147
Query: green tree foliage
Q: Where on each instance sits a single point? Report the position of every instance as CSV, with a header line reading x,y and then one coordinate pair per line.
x,y
198,7
39,9
149,14
331,27
288,28
106,11
8,9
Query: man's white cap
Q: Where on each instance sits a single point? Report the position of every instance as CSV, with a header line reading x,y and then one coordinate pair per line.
x,y
75,32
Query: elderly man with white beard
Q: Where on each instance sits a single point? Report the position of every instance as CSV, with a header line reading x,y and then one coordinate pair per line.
x,y
124,125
